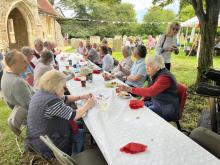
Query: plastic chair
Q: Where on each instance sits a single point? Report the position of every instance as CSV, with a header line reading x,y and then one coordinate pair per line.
x,y
15,121
87,157
182,94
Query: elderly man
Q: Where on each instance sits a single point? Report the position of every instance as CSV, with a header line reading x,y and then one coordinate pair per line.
x,y
161,95
38,47
92,54
16,91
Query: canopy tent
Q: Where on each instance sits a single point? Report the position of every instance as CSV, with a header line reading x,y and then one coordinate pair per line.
x,y
192,22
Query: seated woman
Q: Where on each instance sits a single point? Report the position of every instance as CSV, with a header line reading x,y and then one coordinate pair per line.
x,y
81,49
138,72
44,65
161,95
28,74
107,61
123,68
49,115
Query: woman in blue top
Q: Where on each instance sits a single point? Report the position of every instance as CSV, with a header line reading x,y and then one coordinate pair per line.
x,y
138,72
28,74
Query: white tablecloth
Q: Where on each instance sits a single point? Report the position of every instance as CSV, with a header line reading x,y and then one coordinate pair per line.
x,y
117,125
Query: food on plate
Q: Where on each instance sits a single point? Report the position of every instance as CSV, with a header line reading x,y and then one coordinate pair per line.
x,y
124,95
111,84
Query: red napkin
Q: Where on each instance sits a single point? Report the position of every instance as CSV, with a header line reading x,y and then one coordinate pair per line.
x,y
77,79
96,71
133,148
135,104
74,126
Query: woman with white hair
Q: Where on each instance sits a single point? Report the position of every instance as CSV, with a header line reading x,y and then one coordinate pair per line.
x,y
43,65
49,115
123,68
161,95
167,44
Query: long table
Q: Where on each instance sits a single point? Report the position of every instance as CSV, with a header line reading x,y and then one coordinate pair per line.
x,y
116,124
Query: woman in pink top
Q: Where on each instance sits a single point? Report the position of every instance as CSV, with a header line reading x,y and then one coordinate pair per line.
x,y
151,42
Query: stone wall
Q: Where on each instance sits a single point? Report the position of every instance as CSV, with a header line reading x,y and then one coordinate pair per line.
x,y
38,25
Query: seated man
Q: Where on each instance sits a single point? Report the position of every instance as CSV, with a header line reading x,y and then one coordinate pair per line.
x,y
161,95
138,72
15,89
92,54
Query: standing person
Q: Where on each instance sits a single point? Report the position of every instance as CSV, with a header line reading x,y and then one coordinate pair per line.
x,y
15,90
168,44
28,74
38,47
151,42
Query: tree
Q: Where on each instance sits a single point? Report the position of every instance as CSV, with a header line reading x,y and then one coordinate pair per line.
x,y
156,15
106,10
207,12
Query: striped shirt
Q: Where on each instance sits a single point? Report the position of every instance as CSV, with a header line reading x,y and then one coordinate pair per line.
x,y
58,108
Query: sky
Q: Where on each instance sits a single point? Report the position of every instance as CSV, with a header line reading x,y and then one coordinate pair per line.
x,y
140,6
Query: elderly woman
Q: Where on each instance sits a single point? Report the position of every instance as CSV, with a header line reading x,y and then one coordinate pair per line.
x,y
168,44
81,49
38,47
49,115
138,72
28,74
107,61
123,68
43,65
161,94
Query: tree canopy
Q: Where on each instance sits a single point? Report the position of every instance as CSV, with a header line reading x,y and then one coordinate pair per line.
x,y
160,17
107,10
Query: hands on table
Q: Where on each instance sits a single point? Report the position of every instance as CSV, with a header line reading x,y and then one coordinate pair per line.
x,y
123,88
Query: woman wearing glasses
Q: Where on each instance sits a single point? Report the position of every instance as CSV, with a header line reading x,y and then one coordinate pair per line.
x,y
168,44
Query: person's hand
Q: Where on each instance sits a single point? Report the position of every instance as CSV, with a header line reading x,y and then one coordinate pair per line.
x,y
120,67
86,96
122,88
90,102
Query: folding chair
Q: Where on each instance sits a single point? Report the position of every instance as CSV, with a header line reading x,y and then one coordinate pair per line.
x,y
15,121
182,94
87,157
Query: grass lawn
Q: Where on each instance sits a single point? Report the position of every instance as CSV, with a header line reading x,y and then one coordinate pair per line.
x,y
184,68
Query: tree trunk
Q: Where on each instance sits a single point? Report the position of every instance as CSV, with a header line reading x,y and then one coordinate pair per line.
x,y
208,28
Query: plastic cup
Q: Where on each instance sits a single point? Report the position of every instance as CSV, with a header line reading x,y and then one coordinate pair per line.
x,y
83,83
67,67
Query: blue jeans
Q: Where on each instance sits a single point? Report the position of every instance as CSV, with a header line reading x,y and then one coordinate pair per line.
x,y
78,141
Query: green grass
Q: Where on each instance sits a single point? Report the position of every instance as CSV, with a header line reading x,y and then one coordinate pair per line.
x,y
183,67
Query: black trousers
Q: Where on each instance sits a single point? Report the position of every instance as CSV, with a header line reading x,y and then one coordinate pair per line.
x,y
168,65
